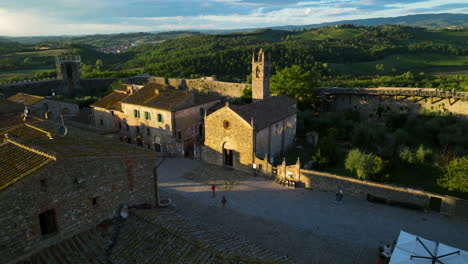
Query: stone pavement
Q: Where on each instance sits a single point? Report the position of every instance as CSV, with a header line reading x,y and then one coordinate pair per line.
x,y
304,224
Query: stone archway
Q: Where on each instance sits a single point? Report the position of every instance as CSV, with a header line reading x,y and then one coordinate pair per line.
x,y
228,154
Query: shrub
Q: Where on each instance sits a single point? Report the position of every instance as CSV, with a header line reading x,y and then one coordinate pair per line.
x,y
423,155
455,176
325,153
365,165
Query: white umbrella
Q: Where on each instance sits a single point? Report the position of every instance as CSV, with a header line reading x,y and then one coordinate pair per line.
x,y
411,249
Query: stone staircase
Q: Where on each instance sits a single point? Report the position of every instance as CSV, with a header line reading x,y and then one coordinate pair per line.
x,y
227,247
86,248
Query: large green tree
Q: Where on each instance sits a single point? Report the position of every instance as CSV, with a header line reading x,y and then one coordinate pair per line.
x,y
296,83
455,177
365,165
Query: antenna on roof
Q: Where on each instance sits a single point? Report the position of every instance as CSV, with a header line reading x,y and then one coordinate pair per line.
x,y
62,129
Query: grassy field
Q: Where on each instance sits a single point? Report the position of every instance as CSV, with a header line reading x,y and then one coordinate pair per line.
x,y
407,62
327,33
39,53
22,73
458,37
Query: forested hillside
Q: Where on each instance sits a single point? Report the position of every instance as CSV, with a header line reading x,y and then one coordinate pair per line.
x,y
345,56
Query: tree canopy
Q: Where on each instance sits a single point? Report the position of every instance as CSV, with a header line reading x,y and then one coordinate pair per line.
x,y
455,177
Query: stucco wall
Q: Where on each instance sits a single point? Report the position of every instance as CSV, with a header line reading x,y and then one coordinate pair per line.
x,y
70,186
276,139
262,142
109,122
187,120
239,136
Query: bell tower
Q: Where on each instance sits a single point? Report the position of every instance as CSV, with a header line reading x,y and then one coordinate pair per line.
x,y
260,76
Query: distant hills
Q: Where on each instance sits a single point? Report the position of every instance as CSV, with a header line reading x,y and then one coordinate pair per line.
x,y
435,21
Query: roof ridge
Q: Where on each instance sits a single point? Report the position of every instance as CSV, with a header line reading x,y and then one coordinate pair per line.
x,y
7,140
48,134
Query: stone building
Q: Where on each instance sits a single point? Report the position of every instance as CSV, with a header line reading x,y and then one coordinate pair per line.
x,y
52,187
235,135
45,107
155,116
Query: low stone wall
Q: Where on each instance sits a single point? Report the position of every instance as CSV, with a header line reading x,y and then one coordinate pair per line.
x,y
321,181
233,90
280,173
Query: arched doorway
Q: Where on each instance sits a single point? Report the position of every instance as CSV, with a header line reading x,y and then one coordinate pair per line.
x,y
228,154
157,144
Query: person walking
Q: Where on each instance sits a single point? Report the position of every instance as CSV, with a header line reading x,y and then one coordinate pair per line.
x,y
341,195
224,201
213,189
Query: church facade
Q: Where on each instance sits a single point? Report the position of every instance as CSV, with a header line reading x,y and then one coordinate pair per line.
x,y
235,135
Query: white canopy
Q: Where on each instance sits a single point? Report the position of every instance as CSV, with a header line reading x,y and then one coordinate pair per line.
x,y
411,249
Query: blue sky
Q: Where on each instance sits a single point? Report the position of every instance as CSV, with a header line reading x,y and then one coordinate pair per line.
x,y
75,17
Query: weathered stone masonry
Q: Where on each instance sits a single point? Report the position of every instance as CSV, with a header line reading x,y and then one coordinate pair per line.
x,y
69,186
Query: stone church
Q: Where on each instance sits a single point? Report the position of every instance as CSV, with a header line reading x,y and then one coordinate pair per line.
x,y
234,135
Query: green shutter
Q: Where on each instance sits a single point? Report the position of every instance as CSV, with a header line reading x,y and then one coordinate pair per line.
x,y
135,113
147,116
160,118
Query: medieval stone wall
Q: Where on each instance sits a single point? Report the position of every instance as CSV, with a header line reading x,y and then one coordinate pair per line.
x,y
372,106
332,183
69,187
233,90
41,88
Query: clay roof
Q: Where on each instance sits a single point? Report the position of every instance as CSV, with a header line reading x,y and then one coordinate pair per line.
x,y
111,101
267,111
18,120
27,99
9,107
162,96
18,161
180,240
77,142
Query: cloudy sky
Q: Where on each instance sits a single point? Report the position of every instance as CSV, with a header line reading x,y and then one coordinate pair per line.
x,y
75,17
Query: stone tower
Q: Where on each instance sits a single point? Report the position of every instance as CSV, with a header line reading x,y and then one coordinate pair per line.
x,y
260,76
69,70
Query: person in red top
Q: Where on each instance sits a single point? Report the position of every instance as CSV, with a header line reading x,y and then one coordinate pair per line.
x,y
213,189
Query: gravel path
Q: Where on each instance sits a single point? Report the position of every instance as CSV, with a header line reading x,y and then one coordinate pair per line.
x,y
304,224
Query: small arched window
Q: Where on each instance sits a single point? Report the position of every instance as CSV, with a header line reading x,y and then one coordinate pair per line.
x,y
226,124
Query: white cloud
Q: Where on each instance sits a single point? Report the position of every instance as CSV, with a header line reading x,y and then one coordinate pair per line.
x,y
17,22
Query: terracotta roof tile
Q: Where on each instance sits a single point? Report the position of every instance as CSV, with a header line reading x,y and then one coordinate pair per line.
x,y
27,99
10,107
162,96
111,101
16,162
267,111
